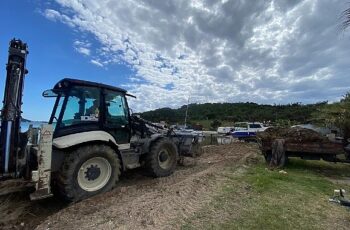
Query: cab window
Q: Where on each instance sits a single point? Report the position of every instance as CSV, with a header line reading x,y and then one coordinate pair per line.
x,y
255,126
116,109
82,106
241,126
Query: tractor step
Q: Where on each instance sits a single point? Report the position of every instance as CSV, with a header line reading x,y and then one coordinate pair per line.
x,y
40,194
130,158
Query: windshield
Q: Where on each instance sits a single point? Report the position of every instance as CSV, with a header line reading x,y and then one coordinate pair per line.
x,y
255,126
82,106
241,125
76,106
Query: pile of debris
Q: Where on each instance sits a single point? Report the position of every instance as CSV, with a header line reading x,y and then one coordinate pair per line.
x,y
295,134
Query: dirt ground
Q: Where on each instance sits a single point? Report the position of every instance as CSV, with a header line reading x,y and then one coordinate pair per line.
x,y
138,202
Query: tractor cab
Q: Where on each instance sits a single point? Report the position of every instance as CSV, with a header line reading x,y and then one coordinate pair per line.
x,y
83,106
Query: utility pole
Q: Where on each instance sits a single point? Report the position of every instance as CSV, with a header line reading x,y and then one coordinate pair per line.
x,y
188,101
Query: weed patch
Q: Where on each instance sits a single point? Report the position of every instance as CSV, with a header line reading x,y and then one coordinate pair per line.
x,y
263,199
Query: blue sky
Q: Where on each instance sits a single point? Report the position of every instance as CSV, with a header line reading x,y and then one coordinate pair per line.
x,y
51,55
165,52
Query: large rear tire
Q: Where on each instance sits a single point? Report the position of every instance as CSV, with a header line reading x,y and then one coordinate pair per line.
x,y
162,159
87,171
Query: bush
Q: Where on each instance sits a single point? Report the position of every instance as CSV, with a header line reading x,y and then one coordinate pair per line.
x,y
215,124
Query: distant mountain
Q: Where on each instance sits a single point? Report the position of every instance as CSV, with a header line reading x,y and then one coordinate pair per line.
x,y
30,121
23,120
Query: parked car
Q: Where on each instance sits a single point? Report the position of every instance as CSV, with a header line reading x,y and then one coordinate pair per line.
x,y
225,130
186,130
247,130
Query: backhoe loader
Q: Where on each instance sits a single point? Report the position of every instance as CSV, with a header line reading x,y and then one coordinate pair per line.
x,y
90,139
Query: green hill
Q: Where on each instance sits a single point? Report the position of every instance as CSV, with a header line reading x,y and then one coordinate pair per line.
x,y
233,112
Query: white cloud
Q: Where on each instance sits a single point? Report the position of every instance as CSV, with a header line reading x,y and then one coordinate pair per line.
x,y
82,47
215,51
95,62
57,16
83,50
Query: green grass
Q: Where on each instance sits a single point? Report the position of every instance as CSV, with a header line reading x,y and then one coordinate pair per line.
x,y
264,199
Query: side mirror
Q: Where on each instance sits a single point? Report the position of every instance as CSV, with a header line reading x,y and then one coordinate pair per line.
x,y
49,93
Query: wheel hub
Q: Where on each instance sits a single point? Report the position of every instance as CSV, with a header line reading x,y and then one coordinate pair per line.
x,y
163,156
93,172
165,159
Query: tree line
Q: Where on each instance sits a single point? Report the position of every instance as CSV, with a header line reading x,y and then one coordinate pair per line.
x,y
235,112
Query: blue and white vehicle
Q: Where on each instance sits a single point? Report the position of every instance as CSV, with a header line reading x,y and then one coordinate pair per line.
x,y
245,130
225,130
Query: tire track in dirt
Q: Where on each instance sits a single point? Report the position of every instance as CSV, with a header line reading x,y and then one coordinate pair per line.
x,y
162,203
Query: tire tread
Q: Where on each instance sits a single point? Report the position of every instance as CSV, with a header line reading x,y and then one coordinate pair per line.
x,y
65,182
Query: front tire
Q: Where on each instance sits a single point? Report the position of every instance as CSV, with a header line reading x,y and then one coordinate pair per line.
x,y
88,171
162,158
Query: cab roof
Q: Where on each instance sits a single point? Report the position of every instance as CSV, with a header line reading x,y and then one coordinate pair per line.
x,y
66,82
